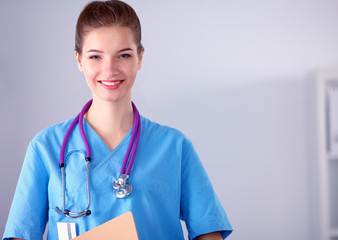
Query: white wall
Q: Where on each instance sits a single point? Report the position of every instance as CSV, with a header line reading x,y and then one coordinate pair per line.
x,y
232,75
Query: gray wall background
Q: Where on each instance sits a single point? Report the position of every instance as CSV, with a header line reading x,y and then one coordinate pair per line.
x,y
231,75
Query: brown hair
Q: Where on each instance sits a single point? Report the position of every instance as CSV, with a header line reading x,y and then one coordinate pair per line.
x,y
104,14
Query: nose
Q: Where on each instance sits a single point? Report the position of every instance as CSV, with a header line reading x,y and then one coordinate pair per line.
x,y
110,68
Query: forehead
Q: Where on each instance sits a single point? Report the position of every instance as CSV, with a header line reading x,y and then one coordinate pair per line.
x,y
109,38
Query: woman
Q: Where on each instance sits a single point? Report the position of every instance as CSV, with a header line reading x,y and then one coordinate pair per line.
x,y
167,178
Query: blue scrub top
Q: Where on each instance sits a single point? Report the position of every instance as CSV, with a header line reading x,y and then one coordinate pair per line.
x,y
169,184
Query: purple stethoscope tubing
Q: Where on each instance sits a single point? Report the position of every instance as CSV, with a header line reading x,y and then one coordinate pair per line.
x,y
123,188
133,144
83,136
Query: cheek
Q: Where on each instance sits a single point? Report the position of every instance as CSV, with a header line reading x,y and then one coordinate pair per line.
x,y
132,75
132,70
90,72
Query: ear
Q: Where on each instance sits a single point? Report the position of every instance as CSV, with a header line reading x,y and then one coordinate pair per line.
x,y
140,57
78,60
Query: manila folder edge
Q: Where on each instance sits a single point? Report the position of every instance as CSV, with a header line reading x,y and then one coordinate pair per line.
x,y
121,227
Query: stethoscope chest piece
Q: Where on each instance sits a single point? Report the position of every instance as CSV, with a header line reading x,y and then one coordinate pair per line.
x,y
122,188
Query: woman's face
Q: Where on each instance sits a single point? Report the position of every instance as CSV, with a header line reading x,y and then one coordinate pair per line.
x,y
110,62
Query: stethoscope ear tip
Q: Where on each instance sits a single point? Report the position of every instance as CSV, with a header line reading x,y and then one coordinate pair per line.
x,y
88,212
58,210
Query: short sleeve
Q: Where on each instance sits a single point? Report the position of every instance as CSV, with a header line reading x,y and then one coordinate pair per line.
x,y
28,214
200,206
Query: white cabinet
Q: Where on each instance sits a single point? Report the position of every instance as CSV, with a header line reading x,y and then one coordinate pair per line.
x,y
325,143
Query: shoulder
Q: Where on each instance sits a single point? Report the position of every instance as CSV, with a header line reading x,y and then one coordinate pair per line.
x,y
156,130
157,136
52,134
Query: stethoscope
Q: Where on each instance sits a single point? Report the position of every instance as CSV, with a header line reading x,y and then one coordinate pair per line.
x,y
121,186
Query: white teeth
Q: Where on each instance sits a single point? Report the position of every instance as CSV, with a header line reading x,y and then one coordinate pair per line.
x,y
110,83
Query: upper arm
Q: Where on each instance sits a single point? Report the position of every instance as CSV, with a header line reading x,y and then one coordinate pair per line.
x,y
29,210
200,207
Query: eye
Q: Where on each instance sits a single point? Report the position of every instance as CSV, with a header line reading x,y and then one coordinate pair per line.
x,y
95,57
125,55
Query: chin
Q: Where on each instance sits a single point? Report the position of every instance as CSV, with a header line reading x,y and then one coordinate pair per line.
x,y
113,99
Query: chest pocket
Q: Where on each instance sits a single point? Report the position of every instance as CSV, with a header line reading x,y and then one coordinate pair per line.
x,y
76,196
75,176
150,184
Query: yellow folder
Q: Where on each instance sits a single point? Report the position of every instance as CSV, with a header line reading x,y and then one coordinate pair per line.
x,y
121,227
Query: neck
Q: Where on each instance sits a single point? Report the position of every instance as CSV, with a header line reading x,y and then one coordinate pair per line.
x,y
110,120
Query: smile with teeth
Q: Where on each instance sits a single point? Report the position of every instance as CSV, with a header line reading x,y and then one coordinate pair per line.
x,y
110,83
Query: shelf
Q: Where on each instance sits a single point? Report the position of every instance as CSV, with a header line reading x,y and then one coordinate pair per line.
x,y
324,116
333,195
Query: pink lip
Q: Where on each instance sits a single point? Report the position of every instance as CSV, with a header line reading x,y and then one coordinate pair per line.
x,y
112,87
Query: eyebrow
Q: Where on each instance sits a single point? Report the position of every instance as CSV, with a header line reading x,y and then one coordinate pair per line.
x,y
99,51
125,49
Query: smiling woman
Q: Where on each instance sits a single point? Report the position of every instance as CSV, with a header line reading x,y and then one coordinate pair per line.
x,y
110,61
167,182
